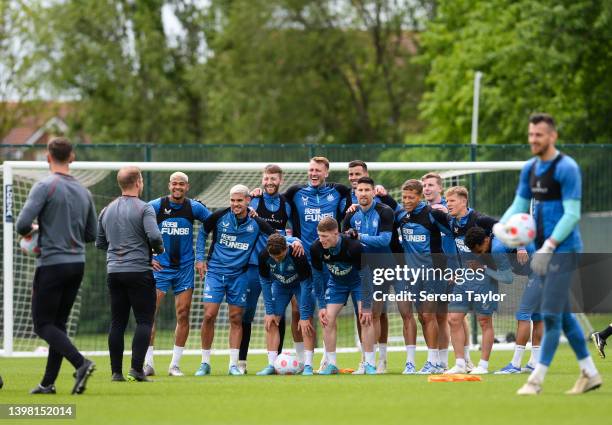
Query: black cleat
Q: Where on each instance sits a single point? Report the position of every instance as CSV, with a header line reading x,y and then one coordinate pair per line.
x,y
82,374
43,390
1,382
135,376
118,377
600,343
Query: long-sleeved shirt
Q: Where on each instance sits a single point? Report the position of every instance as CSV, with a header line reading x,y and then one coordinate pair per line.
x,y
290,271
310,204
128,232
374,226
344,264
233,241
66,219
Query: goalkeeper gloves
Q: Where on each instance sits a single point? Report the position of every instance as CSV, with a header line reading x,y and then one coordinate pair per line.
x,y
542,257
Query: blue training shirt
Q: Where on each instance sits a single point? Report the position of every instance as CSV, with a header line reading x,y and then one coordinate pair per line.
x,y
233,241
311,204
272,203
176,227
567,174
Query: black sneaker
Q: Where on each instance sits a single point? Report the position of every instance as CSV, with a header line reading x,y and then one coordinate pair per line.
x,y
43,390
118,377
82,374
135,376
600,343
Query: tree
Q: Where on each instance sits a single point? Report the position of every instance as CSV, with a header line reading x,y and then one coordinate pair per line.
x,y
312,70
553,56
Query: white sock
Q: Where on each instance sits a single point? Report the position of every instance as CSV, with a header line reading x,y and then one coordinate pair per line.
x,y
299,351
331,358
588,366
149,356
272,355
177,353
443,355
432,356
234,356
370,358
382,351
460,363
466,353
518,355
539,373
410,351
535,355
205,356
323,359
484,364
308,358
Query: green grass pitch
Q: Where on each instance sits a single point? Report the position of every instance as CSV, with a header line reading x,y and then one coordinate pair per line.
x,y
344,399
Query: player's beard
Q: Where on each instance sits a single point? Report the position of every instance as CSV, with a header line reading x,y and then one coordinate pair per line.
x,y
274,192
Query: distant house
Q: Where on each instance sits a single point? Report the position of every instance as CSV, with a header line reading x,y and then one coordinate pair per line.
x,y
34,130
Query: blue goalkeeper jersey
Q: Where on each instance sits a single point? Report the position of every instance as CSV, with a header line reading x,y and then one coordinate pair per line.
x,y
175,223
311,204
549,183
233,241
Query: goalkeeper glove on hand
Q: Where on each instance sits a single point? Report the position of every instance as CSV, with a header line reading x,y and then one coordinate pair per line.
x,y
542,257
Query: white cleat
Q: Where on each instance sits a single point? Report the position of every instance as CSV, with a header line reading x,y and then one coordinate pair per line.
x,y
360,370
531,387
469,366
175,371
381,367
456,370
148,370
479,370
585,384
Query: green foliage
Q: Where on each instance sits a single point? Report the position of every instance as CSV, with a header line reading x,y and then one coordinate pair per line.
x,y
276,71
551,55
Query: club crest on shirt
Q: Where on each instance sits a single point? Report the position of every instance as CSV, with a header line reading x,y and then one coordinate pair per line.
x,y
250,228
375,223
330,197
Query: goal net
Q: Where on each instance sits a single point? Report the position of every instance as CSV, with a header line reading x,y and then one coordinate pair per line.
x,y
491,186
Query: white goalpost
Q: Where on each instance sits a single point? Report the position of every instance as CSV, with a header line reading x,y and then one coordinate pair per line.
x,y
210,182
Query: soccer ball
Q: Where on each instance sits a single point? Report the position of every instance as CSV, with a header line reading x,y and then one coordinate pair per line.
x,y
520,230
286,364
29,244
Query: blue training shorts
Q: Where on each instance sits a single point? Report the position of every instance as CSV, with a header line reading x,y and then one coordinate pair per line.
x,y
180,279
218,286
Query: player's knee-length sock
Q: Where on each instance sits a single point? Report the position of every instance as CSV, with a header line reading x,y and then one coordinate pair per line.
x,y
550,341
246,340
281,330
